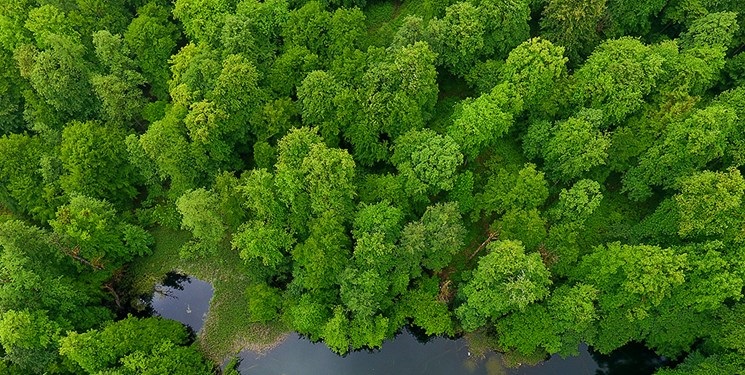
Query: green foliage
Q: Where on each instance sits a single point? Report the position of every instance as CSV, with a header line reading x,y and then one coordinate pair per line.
x,y
30,340
616,78
505,280
427,310
263,302
472,30
38,277
709,203
256,240
577,146
93,234
573,24
524,190
152,37
686,147
132,345
200,215
631,17
538,70
525,226
96,163
59,76
547,172
202,19
25,189
436,237
483,121
556,326
426,161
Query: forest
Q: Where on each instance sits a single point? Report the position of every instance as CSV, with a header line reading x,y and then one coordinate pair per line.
x,y
543,173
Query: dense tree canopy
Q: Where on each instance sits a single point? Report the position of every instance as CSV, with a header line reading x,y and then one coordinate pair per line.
x,y
543,172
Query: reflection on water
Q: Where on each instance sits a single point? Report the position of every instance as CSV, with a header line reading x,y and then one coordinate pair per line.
x,y
403,355
633,358
186,299
182,298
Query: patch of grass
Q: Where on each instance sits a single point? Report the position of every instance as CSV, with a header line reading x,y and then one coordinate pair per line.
x,y
228,328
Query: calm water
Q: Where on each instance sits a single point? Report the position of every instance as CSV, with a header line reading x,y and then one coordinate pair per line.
x,y
402,355
186,299
182,298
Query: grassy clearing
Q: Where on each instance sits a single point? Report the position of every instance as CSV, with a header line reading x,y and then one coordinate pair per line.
x,y
228,328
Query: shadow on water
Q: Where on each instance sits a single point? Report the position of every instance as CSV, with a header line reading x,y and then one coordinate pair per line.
x,y
633,358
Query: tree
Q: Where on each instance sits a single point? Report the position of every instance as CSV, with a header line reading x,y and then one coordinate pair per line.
x,y
29,339
23,187
37,277
458,38
711,30
632,280
202,19
505,280
121,98
525,226
255,30
59,75
324,255
537,69
395,94
616,78
308,27
556,326
426,309
329,180
526,189
165,144
628,17
709,203
436,237
346,30
132,345
11,102
151,37
290,68
257,241
426,161
237,92
484,120
92,234
573,24
194,70
472,30
316,95
577,146
687,146
577,204
96,162
48,20
200,214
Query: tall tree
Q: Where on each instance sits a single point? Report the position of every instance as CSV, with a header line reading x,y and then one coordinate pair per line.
x,y
505,280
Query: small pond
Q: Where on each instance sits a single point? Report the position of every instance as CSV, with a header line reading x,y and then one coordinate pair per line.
x,y
182,298
186,299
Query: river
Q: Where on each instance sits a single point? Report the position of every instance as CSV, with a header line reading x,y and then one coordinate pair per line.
x,y
186,299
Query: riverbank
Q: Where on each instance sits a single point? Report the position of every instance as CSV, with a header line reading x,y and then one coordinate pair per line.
x,y
228,328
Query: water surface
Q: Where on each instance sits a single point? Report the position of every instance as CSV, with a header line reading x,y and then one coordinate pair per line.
x,y
402,355
182,298
186,299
